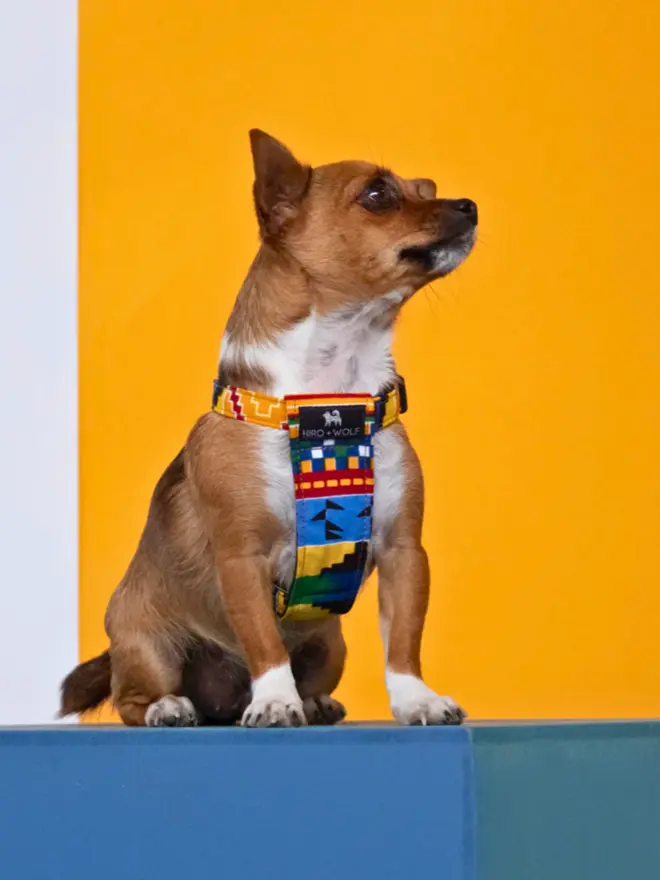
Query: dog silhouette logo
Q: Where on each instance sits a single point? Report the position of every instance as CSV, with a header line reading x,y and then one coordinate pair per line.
x,y
332,418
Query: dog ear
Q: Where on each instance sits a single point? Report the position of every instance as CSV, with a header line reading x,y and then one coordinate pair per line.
x,y
280,182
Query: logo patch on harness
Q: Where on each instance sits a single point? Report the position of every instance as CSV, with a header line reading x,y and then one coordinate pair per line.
x,y
343,423
332,418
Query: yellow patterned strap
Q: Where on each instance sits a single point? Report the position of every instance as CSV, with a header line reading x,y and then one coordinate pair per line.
x,y
250,406
273,412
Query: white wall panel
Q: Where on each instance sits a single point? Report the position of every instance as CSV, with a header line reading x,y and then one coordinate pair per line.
x,y
38,355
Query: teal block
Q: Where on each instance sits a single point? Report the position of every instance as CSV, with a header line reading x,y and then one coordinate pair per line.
x,y
568,801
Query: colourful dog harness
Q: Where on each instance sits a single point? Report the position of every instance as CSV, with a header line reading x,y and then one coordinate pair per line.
x,y
332,458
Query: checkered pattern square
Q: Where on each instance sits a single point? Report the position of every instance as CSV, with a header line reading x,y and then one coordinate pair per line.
x,y
309,459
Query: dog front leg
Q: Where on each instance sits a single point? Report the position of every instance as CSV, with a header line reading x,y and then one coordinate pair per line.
x,y
403,578
246,591
403,598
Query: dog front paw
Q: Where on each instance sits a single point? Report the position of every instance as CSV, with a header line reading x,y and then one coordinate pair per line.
x,y
171,711
414,703
274,713
275,701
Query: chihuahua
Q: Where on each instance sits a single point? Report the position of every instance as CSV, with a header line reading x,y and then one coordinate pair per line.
x,y
195,635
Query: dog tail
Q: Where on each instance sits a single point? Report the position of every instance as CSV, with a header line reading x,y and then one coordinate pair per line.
x,y
86,687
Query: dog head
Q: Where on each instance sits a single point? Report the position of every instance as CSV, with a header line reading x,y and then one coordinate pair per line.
x,y
359,231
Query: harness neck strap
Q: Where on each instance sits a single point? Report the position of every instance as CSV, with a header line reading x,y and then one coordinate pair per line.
x,y
274,412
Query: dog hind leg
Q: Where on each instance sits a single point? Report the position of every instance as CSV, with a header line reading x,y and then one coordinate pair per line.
x,y
146,681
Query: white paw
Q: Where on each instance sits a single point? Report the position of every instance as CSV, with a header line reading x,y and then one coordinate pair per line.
x,y
273,713
275,701
171,711
413,702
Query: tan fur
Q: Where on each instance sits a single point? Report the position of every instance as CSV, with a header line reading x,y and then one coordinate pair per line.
x,y
403,560
197,595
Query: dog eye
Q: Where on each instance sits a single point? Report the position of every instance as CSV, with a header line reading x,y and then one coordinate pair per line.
x,y
379,195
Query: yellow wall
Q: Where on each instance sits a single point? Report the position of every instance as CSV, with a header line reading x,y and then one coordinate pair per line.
x,y
533,373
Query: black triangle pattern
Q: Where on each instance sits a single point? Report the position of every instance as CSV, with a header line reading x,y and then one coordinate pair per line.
x,y
332,531
322,514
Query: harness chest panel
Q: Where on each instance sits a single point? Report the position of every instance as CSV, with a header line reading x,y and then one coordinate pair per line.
x,y
331,444
332,461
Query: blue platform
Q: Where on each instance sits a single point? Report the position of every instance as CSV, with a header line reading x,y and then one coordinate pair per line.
x,y
576,802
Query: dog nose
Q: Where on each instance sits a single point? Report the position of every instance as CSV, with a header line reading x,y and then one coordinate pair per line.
x,y
467,207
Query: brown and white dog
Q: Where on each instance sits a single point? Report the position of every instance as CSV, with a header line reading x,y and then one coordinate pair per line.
x,y
193,635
